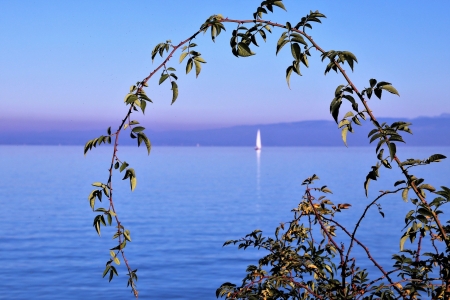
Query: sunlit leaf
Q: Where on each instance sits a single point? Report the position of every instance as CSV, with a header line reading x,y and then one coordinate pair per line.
x,y
402,241
405,195
244,50
133,182
390,89
427,187
138,129
344,134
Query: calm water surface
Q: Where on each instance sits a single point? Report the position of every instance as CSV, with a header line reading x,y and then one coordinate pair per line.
x,y
188,201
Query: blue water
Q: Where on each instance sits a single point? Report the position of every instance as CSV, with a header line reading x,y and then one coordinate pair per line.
x,y
188,201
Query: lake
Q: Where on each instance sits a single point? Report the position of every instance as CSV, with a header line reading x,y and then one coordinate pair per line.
x,y
187,203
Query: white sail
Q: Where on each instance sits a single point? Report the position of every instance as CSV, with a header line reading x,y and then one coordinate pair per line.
x,y
258,141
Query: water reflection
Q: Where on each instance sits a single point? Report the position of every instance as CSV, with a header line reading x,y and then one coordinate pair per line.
x,y
258,174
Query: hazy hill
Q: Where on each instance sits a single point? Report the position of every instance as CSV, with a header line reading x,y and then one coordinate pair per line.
x,y
428,131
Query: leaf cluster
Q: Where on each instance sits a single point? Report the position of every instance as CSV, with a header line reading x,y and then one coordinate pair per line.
x,y
300,264
265,6
98,141
377,88
137,98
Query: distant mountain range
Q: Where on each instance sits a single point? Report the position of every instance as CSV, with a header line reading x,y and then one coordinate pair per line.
x,y
427,131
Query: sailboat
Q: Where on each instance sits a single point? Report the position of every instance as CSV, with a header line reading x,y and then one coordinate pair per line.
x,y
258,141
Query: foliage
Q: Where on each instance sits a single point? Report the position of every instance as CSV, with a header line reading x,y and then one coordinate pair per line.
x,y
305,259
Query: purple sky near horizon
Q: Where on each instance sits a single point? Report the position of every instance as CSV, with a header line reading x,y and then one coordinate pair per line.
x,y
67,65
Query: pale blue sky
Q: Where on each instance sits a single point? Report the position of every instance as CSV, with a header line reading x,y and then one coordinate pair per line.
x,y
68,64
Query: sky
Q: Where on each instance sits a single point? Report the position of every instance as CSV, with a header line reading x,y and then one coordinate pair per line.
x,y
67,65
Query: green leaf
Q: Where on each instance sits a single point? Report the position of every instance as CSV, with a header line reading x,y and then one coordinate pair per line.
x,y
386,164
436,157
126,234
133,183
344,135
335,109
324,189
175,91
396,138
392,150
402,241
288,26
198,67
373,131
87,146
189,65
428,187
295,37
304,60
164,76
279,4
123,166
349,57
405,195
99,184
116,260
288,75
377,92
108,266
138,129
399,182
425,212
375,136
295,50
382,83
349,114
380,143
380,154
244,50
182,56
143,138
130,98
373,82
91,199
281,45
390,89
356,120
143,105
109,130
145,97
148,145
114,270
366,185
200,59
343,122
